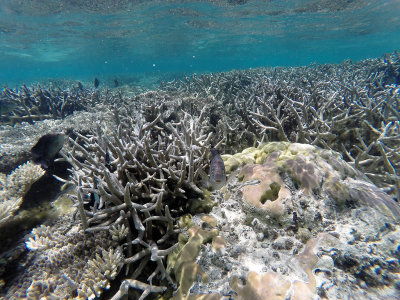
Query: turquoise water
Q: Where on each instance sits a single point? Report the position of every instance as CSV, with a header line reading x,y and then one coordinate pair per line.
x,y
42,39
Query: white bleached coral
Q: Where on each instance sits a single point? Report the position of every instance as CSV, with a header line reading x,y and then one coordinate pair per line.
x,y
8,208
13,187
119,232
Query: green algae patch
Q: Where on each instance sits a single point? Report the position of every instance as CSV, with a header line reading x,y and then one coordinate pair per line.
x,y
261,157
63,204
245,158
271,194
252,155
185,221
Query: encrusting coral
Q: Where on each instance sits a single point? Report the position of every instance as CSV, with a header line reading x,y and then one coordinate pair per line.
x,y
14,186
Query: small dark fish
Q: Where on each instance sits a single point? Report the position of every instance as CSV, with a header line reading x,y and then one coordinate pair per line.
x,y
217,170
116,83
96,83
46,149
91,200
80,86
7,106
94,199
107,158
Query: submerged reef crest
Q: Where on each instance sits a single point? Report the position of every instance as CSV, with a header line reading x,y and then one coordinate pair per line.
x,y
136,173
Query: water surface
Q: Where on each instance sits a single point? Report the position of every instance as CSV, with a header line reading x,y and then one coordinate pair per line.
x,y
82,39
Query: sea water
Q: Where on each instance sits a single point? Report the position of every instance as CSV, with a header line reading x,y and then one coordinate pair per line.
x,y
42,39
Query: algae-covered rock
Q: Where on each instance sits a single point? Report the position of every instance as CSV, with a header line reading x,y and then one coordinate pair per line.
x,y
201,205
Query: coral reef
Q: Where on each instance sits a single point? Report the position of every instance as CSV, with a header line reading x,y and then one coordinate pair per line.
x,y
351,108
13,187
293,214
38,103
17,140
321,241
71,265
143,176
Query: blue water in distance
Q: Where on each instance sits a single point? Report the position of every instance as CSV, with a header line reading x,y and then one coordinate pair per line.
x,y
82,39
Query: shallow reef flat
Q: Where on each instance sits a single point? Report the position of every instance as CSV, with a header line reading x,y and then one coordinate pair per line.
x,y
309,210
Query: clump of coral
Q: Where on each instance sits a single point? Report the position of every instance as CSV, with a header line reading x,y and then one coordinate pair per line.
x,y
301,222
351,108
13,187
39,103
72,265
143,177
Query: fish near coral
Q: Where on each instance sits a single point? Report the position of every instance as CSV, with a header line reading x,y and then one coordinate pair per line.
x,y
80,86
7,106
46,149
96,83
217,170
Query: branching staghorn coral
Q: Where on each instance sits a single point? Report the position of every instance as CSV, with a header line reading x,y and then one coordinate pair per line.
x,y
352,108
39,103
14,186
142,179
